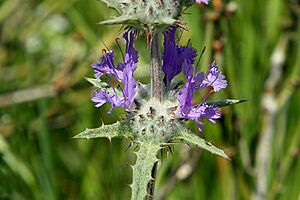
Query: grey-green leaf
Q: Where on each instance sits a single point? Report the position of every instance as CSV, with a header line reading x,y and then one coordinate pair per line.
x,y
115,4
200,142
226,102
120,20
107,131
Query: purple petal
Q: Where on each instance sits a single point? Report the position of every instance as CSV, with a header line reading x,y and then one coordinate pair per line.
x,y
185,97
124,74
214,78
211,113
188,69
102,96
175,56
202,1
131,53
169,67
130,86
186,53
106,66
198,78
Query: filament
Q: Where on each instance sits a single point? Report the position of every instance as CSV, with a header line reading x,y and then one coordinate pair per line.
x,y
198,62
117,41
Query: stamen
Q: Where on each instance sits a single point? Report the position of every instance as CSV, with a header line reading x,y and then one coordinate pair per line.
x,y
102,42
188,43
119,87
194,101
180,36
110,82
117,41
198,62
214,62
210,92
104,51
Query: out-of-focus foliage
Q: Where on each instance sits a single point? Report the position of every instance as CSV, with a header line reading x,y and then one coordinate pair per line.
x,y
46,49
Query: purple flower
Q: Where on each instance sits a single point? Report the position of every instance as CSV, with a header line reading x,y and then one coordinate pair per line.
x,y
130,86
214,78
185,97
202,1
123,72
174,63
107,66
175,56
131,53
102,96
176,59
202,110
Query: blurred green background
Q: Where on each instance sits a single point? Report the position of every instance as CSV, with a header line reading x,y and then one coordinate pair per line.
x,y
47,47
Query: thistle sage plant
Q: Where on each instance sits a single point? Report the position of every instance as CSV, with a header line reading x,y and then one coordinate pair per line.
x,y
155,119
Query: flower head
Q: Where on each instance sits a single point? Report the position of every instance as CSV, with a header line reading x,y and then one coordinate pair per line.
x,y
123,72
174,63
175,56
193,84
176,59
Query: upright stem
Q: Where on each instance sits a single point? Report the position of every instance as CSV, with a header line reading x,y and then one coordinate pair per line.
x,y
151,184
157,87
157,91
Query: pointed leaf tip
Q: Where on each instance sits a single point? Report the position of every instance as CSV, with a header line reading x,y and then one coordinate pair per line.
x,y
106,131
190,138
115,4
227,102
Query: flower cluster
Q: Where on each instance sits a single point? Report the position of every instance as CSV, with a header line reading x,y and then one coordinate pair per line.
x,y
123,72
176,59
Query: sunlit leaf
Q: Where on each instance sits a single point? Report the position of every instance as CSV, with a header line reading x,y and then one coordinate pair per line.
x,y
227,102
107,131
193,139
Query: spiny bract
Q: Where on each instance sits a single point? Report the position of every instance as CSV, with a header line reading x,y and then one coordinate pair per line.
x,y
147,14
156,121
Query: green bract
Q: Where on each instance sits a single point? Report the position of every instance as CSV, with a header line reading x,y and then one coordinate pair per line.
x,y
147,14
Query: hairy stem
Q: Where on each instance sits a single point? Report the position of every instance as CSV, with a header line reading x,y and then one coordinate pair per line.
x,y
151,184
157,90
157,87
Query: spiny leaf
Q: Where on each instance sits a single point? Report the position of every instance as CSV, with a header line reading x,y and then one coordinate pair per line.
x,y
120,20
146,158
107,131
190,138
226,102
115,4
